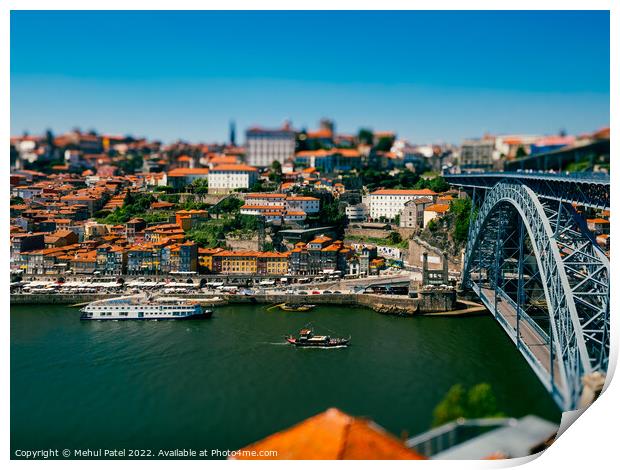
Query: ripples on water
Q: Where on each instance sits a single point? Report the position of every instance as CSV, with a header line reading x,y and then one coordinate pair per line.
x,y
228,381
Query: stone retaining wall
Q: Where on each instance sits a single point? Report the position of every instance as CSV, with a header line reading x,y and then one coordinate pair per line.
x,y
426,302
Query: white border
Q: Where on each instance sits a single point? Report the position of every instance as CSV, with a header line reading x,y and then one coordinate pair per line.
x,y
591,442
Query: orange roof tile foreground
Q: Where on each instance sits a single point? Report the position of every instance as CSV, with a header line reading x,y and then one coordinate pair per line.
x,y
331,435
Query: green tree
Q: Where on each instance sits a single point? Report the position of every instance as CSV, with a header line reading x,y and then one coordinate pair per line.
x,y
332,214
478,402
365,136
437,184
461,208
521,152
394,238
230,205
481,402
451,407
199,186
384,144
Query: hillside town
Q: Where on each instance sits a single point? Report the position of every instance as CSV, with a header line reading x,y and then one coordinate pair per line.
x,y
286,204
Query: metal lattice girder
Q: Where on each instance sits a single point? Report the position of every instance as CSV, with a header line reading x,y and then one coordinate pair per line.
x,y
573,273
589,190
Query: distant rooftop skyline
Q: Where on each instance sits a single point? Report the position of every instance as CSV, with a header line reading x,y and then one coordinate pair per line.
x,y
429,76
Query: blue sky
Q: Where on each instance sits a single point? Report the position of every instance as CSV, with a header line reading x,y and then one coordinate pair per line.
x,y
430,76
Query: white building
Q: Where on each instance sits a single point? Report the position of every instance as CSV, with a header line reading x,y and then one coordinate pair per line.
x,y
265,146
275,205
224,179
265,199
307,204
388,203
356,213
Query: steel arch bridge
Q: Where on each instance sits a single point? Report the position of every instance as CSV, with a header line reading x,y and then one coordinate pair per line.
x,y
535,265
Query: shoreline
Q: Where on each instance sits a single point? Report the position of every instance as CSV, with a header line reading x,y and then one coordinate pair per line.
x,y
384,304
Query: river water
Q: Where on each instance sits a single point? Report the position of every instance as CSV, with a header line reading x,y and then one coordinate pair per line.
x,y
229,381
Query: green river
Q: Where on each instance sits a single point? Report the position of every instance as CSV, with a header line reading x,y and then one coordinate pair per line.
x,y
229,381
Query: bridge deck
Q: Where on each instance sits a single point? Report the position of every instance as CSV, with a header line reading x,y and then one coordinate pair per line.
x,y
531,343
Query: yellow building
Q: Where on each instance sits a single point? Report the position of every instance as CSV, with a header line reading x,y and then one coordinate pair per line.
x,y
273,263
235,262
205,258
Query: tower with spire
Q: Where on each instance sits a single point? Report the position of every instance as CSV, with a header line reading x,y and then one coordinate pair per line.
x,y
232,134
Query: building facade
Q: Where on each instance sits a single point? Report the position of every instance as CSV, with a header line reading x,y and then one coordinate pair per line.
x,y
477,154
388,203
224,179
264,146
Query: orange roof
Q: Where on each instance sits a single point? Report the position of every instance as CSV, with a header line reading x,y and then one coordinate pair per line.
x,y
314,153
301,198
320,134
188,171
184,158
439,208
332,435
348,152
404,192
224,159
258,207
234,167
320,239
598,221
265,195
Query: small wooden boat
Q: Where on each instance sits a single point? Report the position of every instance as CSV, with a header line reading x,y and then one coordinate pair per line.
x,y
296,307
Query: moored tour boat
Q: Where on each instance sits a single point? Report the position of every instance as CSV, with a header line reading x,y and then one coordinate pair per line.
x,y
307,339
138,307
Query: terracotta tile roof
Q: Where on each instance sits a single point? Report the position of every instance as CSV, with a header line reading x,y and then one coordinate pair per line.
x,y
265,196
180,172
404,192
261,208
333,435
234,167
301,198
439,208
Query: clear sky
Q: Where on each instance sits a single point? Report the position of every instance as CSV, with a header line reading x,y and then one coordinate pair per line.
x,y
430,76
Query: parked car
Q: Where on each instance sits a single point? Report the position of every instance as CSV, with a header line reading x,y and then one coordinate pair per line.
x,y
315,292
327,292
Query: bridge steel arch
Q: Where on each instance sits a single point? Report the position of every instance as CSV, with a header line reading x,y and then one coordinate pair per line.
x,y
515,228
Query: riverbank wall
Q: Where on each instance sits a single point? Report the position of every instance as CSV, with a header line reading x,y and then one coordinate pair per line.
x,y
387,304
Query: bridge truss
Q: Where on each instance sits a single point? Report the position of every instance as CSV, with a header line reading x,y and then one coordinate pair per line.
x,y
535,265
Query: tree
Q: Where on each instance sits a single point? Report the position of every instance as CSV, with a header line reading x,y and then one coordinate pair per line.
x,y
332,214
461,208
384,144
437,184
394,238
521,152
365,136
478,402
451,407
481,401
230,205
199,186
